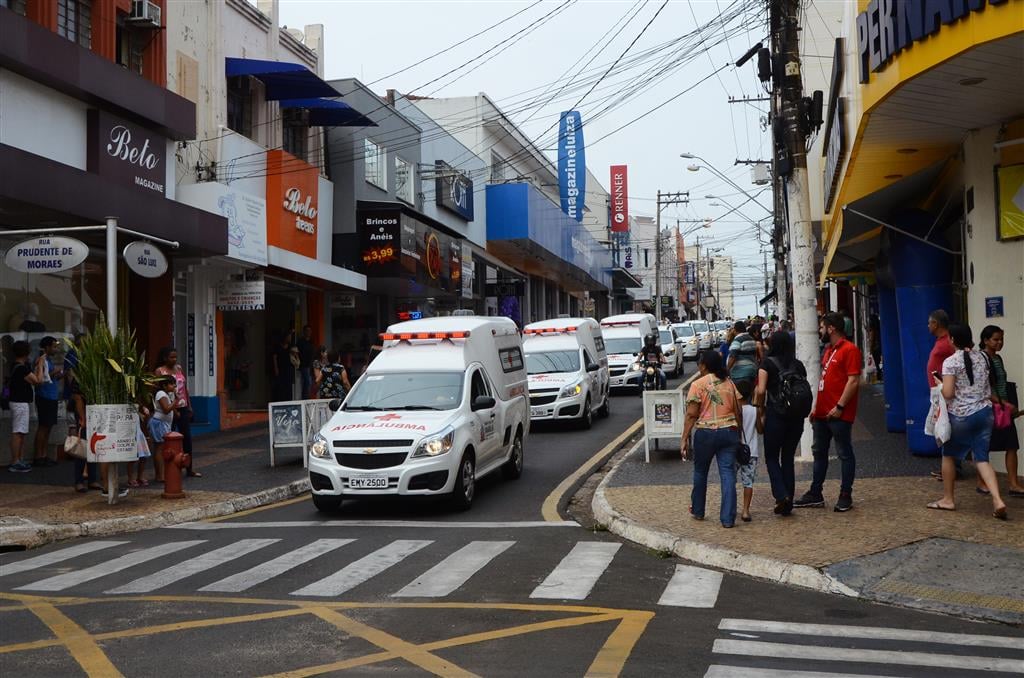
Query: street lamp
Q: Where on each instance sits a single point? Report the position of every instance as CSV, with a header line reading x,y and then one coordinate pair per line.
x,y
707,165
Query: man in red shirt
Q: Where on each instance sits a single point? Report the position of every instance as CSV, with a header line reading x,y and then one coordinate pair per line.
x,y
835,408
938,325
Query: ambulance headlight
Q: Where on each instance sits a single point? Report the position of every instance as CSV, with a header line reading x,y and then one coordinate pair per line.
x,y
321,448
635,367
571,390
436,445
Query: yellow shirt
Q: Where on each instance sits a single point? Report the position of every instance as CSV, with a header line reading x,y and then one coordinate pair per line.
x,y
717,400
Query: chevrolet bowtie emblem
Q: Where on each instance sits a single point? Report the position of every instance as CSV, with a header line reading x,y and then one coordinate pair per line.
x,y
369,450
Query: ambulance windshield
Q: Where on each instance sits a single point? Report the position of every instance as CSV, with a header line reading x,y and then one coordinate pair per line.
x,y
416,391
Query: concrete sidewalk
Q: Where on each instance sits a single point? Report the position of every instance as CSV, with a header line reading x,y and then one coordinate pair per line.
x,y
42,506
889,548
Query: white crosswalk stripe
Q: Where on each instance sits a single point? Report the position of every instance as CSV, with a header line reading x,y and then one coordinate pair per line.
x,y
61,582
278,566
719,671
692,587
365,568
455,570
56,556
578,572
206,561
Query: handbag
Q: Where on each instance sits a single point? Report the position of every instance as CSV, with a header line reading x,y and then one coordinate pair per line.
x,y
1001,413
74,446
743,450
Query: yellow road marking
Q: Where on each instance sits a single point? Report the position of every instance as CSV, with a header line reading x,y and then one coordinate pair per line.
x,y
549,509
80,644
286,502
611,658
952,596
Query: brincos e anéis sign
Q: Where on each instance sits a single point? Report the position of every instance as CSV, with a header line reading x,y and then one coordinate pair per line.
x,y
51,254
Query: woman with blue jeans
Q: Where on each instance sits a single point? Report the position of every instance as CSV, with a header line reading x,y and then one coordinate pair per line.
x,y
782,430
713,417
968,394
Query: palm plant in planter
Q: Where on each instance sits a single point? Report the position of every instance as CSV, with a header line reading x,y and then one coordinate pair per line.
x,y
113,380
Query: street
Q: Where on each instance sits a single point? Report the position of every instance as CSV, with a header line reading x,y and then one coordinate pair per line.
x,y
411,588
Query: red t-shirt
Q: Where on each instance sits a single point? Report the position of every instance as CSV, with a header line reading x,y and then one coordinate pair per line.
x,y
839,362
942,349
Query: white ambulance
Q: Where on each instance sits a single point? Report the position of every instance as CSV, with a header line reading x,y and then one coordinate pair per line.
x,y
567,369
623,339
443,404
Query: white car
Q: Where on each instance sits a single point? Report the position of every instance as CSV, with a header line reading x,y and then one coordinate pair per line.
x,y
443,404
623,340
704,332
672,351
688,340
567,370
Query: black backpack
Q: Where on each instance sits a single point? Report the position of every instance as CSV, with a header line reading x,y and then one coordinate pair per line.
x,y
793,397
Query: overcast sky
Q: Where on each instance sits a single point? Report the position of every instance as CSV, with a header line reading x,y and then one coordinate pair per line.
x,y
372,40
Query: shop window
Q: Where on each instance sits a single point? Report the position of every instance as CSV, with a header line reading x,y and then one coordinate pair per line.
x,y
404,181
295,132
498,165
240,105
17,6
130,46
74,21
374,158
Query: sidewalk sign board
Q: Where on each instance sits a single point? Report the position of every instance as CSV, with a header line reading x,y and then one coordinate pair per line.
x,y
112,433
664,414
293,424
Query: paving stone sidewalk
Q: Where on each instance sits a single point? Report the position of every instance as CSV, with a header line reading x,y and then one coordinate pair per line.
x,y
888,548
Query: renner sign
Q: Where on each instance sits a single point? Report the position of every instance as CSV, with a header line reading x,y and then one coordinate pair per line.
x,y
125,152
620,200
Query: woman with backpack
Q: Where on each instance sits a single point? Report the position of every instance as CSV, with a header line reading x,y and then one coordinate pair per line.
x,y
785,395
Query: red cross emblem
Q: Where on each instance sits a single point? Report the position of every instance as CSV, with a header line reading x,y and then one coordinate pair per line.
x,y
388,417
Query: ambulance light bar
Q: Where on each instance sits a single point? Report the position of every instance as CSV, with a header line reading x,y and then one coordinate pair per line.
x,y
625,323
550,330
409,336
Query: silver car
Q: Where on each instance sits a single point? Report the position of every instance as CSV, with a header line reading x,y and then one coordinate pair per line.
x,y
687,340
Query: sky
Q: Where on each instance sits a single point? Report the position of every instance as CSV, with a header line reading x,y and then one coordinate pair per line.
x,y
543,60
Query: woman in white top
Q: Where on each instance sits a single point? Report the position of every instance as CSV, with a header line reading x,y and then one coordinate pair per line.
x,y
965,386
160,422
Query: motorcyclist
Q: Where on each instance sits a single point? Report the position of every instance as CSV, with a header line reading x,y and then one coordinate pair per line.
x,y
653,355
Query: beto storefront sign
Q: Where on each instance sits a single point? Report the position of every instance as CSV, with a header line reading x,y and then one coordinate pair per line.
x,y
620,200
572,166
454,190
292,203
126,153
46,255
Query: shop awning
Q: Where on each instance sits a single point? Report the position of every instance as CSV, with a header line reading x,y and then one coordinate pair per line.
x,y
771,296
623,279
329,112
283,79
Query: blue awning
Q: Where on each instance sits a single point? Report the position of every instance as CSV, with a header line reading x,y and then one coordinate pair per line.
x,y
283,80
329,113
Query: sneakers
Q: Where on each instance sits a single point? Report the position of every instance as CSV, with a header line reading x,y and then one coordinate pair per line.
x,y
122,492
844,503
809,500
20,467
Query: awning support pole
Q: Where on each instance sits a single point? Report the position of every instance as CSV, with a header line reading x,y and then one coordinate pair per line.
x,y
901,231
112,274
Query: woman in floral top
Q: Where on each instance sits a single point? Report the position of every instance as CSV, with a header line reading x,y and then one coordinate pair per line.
x,y
965,386
714,417
332,379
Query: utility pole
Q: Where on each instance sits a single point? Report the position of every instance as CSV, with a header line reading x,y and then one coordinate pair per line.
x,y
664,200
789,86
700,305
780,237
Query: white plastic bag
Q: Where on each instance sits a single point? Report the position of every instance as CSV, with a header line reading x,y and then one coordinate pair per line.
x,y
937,422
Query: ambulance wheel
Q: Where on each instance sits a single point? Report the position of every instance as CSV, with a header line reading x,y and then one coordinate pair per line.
x,y
326,503
587,418
605,410
465,483
513,468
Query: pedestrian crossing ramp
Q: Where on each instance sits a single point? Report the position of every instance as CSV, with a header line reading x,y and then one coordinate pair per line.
x,y
198,565
752,648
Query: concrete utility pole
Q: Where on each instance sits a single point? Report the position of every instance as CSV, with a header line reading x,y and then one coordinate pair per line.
x,y
798,205
664,200
780,237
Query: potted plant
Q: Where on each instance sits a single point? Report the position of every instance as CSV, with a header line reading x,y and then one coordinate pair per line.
x,y
113,381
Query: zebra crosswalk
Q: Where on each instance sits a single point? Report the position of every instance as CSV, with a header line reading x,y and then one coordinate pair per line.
x,y
330,568
890,649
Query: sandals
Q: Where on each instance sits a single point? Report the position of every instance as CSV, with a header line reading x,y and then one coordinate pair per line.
x,y
81,488
95,486
142,482
1000,514
134,483
939,507
194,474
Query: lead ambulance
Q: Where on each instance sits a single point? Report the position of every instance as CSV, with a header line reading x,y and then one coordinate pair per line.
x,y
623,339
443,404
567,369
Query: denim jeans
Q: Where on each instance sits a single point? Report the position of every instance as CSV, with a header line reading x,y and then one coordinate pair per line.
x,y
781,438
825,432
720,444
80,471
306,374
970,434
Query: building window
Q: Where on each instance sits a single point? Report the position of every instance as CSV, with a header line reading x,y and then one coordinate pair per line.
x,y
240,105
129,47
375,157
74,21
295,132
404,181
17,6
498,165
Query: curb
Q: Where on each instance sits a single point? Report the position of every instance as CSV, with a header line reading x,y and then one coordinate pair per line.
x,y
37,534
751,565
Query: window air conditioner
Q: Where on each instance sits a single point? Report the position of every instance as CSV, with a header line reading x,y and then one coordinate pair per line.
x,y
145,13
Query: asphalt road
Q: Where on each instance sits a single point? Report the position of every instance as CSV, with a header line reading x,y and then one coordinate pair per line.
x,y
410,589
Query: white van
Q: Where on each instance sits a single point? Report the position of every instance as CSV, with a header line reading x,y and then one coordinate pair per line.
x,y
567,369
623,339
443,404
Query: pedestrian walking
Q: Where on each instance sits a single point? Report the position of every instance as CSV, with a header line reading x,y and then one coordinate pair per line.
x,y
1004,394
85,474
21,385
784,399
332,378
834,412
938,327
714,418
307,354
743,355
753,430
967,390
48,393
169,367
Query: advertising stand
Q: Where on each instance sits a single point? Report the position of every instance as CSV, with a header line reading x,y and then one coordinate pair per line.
x,y
293,423
664,415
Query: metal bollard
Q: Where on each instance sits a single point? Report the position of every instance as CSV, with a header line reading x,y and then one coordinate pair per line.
x,y
175,461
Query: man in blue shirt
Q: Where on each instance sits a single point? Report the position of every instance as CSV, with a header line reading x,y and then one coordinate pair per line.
x,y
47,395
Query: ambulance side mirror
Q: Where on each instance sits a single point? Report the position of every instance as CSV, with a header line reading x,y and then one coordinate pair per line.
x,y
483,402
335,404
593,367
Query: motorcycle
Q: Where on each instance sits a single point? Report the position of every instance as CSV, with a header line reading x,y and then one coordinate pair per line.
x,y
649,381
